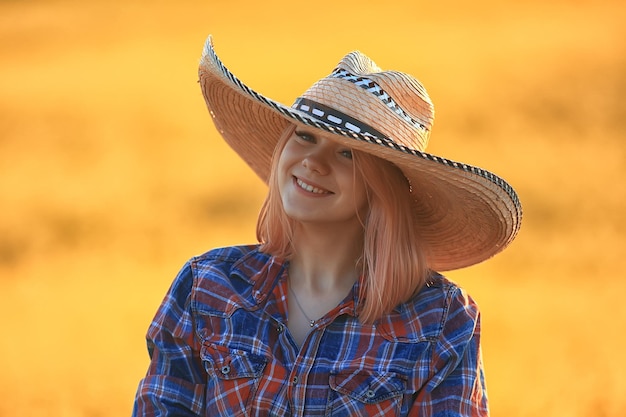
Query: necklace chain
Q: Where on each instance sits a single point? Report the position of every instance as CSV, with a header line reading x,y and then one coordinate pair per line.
x,y
295,297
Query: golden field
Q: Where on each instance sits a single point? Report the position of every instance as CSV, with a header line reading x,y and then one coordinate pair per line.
x,y
112,176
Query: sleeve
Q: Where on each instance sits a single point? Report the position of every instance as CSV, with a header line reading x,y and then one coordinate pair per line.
x,y
456,386
174,384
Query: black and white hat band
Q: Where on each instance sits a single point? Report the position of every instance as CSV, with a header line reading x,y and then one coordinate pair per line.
x,y
335,117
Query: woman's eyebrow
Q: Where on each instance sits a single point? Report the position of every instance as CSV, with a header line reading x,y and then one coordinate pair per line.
x,y
307,131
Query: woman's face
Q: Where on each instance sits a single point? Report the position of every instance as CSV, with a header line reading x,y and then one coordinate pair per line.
x,y
316,180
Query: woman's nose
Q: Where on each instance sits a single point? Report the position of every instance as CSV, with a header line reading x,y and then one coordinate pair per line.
x,y
316,161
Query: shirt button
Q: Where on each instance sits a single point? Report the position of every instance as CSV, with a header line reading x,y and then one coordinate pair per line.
x,y
279,329
225,369
294,381
370,393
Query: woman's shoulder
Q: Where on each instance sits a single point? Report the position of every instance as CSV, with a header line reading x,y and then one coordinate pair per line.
x,y
439,291
226,278
228,259
427,314
225,254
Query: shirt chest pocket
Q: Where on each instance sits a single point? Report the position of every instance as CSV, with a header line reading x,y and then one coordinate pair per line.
x,y
231,372
365,393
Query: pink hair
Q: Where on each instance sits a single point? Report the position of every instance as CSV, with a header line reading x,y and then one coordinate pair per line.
x,y
274,228
394,266
393,262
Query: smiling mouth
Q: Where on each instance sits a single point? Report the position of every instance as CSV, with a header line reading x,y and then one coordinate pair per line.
x,y
310,188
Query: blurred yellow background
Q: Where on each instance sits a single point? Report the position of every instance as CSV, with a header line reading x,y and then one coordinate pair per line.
x,y
112,176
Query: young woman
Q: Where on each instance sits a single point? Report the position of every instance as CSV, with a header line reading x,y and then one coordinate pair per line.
x,y
338,310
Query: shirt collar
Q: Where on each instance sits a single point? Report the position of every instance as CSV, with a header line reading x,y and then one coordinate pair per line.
x,y
263,271
260,271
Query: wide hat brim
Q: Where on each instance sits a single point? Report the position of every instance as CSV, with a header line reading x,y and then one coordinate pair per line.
x,y
464,214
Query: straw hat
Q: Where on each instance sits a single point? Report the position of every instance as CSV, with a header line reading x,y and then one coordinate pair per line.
x,y
464,214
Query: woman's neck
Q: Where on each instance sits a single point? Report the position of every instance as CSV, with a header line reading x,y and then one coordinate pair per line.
x,y
325,260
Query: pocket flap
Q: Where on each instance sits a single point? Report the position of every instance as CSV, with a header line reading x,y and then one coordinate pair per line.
x,y
366,386
232,363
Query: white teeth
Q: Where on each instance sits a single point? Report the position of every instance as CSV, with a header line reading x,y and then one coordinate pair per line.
x,y
309,188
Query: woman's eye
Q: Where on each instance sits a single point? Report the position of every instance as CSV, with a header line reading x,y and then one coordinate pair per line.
x,y
305,137
346,153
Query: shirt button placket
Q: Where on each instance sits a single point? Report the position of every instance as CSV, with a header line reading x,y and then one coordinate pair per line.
x,y
297,396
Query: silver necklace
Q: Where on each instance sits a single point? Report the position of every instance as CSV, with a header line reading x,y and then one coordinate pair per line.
x,y
311,322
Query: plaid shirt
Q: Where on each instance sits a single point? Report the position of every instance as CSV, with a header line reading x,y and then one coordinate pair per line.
x,y
219,346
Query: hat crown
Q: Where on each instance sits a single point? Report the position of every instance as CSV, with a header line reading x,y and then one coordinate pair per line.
x,y
388,103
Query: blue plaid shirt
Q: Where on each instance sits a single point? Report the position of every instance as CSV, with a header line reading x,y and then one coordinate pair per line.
x,y
219,346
